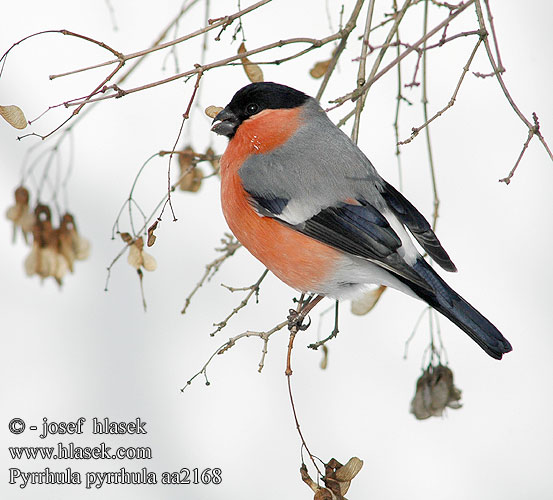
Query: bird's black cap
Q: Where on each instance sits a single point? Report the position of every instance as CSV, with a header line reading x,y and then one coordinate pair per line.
x,y
252,99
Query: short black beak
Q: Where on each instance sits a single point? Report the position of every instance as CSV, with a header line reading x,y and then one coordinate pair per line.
x,y
228,123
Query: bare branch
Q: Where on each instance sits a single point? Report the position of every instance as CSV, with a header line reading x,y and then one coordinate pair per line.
x,y
499,77
350,25
230,245
361,90
416,130
212,24
361,72
531,132
230,343
253,289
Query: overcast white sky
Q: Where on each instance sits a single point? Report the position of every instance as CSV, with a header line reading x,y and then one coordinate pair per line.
x,y
81,352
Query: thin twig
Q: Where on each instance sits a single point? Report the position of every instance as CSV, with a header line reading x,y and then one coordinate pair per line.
x,y
224,21
147,220
313,42
185,117
415,130
371,80
230,343
504,87
531,133
350,25
253,289
436,198
399,100
333,333
293,331
500,67
230,245
361,72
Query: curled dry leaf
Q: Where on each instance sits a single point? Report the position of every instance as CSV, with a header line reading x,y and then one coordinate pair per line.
x,y
213,111
367,301
14,116
253,71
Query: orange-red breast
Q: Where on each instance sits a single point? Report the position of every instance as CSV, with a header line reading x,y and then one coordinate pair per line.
x,y
306,201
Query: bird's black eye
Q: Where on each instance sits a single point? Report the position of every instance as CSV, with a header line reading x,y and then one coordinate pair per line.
x,y
252,109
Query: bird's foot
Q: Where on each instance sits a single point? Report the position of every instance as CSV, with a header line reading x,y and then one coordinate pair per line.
x,y
295,320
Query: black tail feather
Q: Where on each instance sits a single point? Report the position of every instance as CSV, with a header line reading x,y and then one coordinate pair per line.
x,y
459,311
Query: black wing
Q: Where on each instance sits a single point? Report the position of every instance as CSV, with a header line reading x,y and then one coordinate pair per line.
x,y
418,225
360,230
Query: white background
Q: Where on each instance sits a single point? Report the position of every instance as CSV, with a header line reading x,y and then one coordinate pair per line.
x,y
80,351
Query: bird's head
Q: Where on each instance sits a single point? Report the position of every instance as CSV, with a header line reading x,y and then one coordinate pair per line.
x,y
253,99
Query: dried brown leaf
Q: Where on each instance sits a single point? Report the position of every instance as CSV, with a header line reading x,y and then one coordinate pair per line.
x,y
253,71
14,116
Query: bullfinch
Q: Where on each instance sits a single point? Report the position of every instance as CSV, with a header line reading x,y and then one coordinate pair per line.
x,y
306,202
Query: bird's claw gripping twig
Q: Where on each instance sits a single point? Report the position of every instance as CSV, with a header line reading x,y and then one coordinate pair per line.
x,y
295,320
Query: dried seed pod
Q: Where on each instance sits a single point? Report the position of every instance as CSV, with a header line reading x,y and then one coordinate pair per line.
x,y
72,246
14,116
126,237
190,175
338,477
320,68
349,470
151,235
213,159
253,71
435,392
367,301
324,361
138,258
324,494
20,215
213,111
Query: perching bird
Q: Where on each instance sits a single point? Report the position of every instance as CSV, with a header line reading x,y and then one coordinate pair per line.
x,y
306,201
